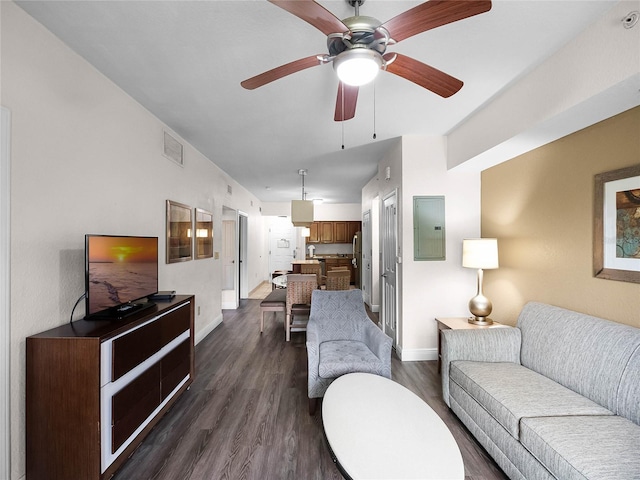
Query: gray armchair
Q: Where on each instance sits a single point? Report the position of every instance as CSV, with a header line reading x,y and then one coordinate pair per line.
x,y
342,339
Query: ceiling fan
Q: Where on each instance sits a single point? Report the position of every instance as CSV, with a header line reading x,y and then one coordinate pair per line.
x,y
357,47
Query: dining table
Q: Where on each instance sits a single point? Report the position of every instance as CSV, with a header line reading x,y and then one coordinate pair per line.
x,y
280,281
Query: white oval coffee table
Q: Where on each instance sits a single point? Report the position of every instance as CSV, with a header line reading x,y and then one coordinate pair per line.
x,y
378,429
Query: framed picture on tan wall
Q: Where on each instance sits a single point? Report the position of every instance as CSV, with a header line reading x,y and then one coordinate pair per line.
x,y
616,232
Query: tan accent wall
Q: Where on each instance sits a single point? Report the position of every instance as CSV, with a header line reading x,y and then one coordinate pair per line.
x,y
540,207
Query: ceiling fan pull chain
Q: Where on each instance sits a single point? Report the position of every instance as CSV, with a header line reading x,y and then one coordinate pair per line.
x,y
374,109
342,122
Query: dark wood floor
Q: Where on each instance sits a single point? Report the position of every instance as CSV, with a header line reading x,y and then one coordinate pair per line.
x,y
246,416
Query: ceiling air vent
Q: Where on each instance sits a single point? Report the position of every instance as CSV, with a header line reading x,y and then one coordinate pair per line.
x,y
229,190
172,149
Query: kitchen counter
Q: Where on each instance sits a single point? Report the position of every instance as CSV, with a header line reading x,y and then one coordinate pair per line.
x,y
296,265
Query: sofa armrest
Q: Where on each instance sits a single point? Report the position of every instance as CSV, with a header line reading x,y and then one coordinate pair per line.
x,y
486,345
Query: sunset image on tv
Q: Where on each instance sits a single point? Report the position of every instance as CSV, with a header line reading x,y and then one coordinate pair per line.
x,y
121,269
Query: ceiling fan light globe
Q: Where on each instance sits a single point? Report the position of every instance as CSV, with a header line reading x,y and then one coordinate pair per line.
x,y
358,66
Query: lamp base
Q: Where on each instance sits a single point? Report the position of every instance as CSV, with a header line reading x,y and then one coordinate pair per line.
x,y
480,320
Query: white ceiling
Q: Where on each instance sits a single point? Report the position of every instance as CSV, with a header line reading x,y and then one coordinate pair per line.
x,y
184,61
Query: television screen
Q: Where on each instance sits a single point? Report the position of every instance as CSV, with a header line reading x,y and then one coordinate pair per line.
x,y
119,270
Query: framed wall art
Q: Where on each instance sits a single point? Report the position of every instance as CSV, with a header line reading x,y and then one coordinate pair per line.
x,y
204,234
616,229
179,227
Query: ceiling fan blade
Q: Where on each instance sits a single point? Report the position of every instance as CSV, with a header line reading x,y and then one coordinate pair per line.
x,y
314,14
432,14
349,104
281,71
417,72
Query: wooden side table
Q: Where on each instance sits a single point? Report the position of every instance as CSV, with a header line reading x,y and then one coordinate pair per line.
x,y
458,323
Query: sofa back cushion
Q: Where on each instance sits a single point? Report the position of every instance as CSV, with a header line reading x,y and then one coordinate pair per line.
x,y
589,355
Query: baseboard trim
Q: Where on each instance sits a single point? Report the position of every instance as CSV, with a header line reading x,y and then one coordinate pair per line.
x,y
202,334
417,354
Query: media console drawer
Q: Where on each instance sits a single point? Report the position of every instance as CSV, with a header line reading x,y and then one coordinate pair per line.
x,y
133,348
132,405
101,386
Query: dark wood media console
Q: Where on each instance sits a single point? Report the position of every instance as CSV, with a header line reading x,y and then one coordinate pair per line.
x,y
95,389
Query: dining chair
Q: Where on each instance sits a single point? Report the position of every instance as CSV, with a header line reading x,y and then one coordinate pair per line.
x,y
338,280
298,303
314,268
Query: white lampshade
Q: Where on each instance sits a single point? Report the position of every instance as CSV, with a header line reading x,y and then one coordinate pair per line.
x,y
357,66
480,253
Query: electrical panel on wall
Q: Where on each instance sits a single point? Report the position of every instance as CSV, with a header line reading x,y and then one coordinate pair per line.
x,y
428,228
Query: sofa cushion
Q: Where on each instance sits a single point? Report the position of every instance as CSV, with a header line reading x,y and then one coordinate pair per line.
x,y
576,447
584,353
508,452
510,392
339,357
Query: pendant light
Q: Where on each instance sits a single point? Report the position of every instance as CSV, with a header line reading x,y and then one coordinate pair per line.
x,y
302,210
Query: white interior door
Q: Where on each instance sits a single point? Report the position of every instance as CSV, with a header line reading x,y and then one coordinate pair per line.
x,y
282,244
228,255
389,274
243,226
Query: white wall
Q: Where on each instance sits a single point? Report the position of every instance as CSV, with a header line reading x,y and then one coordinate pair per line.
x,y
337,212
5,293
433,289
427,289
86,158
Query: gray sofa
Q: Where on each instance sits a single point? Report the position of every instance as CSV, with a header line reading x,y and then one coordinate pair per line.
x,y
557,397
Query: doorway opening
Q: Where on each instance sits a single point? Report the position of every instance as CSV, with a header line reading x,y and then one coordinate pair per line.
x,y
234,255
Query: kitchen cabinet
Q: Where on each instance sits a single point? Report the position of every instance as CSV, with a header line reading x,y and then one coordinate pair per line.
x,y
314,233
326,232
333,232
353,228
341,232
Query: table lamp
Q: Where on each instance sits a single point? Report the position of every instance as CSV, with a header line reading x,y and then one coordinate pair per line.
x,y
480,253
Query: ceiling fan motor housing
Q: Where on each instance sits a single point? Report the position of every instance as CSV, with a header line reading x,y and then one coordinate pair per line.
x,y
364,32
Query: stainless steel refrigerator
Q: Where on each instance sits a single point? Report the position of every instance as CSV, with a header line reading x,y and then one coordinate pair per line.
x,y
357,257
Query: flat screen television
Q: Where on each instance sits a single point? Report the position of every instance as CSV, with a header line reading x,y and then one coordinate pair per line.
x,y
120,271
